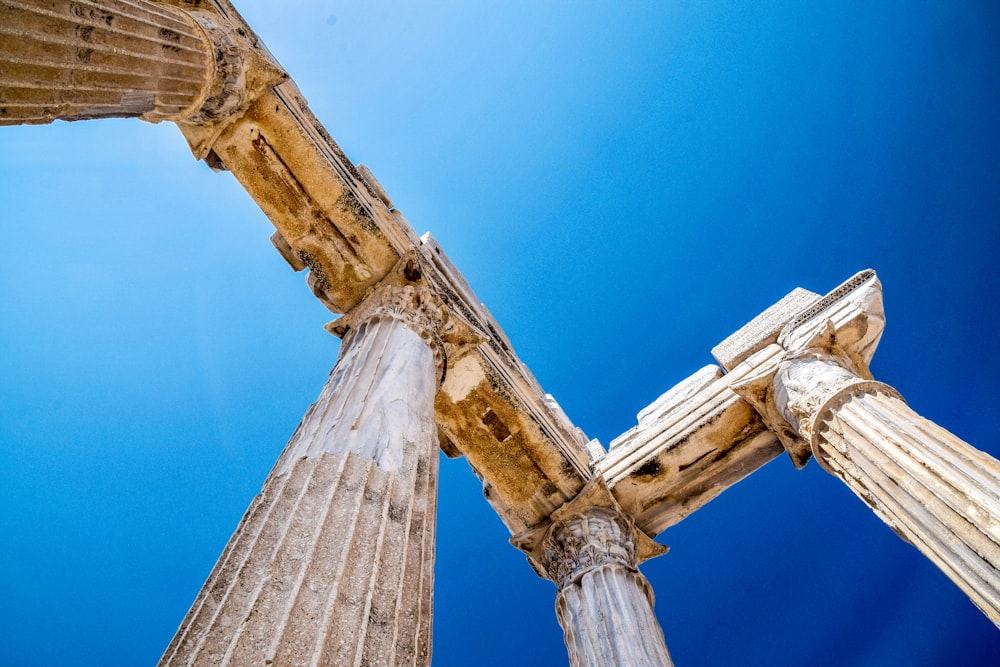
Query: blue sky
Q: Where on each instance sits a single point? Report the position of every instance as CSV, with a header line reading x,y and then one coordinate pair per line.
x,y
623,185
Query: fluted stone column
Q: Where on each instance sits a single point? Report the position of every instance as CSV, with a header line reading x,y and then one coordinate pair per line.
x,y
81,59
333,562
935,490
604,605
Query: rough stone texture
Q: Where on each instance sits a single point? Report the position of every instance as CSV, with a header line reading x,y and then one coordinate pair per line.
x,y
690,445
605,606
75,60
762,330
333,562
493,411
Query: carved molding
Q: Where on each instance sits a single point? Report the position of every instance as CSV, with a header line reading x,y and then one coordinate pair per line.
x,y
226,91
596,538
403,295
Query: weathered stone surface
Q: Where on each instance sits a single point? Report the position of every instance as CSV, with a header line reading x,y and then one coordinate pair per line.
x,y
692,444
69,60
493,411
333,562
72,61
605,606
936,491
762,330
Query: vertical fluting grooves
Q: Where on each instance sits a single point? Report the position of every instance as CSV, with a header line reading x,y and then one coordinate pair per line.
x,y
607,619
225,576
75,60
333,562
935,490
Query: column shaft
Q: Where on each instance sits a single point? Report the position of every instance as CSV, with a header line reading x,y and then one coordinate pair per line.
x,y
604,605
333,562
935,490
79,59
607,619
938,492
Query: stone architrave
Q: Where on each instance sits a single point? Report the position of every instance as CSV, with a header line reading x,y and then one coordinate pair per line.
x,y
333,562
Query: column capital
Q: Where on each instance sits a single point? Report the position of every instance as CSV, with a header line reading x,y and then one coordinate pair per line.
x,y
404,295
243,71
595,538
591,549
589,532
821,352
794,394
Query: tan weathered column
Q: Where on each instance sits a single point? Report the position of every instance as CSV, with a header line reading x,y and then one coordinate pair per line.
x,y
82,59
935,490
333,562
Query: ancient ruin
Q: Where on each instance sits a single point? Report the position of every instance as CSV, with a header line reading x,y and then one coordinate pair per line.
x,y
333,562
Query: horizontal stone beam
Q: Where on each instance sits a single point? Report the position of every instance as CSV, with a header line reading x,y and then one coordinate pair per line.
x,y
701,437
493,411
687,452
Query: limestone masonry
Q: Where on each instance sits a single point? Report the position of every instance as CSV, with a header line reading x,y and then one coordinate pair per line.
x,y
333,561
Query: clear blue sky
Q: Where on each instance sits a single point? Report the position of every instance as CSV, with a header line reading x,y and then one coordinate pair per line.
x,y
623,185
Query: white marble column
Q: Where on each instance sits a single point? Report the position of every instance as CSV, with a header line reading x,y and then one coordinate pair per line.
x,y
604,605
333,563
936,491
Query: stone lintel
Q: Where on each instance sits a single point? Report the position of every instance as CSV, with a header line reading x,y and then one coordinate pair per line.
x,y
693,449
326,217
762,330
712,430
493,412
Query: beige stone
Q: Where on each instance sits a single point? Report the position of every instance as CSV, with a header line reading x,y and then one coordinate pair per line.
x,y
333,561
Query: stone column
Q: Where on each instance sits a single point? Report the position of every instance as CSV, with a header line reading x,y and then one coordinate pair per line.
x,y
936,491
78,59
333,563
604,605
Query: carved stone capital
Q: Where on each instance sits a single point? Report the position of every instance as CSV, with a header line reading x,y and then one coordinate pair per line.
x,y
403,295
794,395
598,537
226,91
242,71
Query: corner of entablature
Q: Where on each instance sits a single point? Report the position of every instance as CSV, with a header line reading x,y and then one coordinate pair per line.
x,y
790,394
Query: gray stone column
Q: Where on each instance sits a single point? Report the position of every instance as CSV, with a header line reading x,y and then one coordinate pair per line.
x,y
604,605
936,491
333,563
80,59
